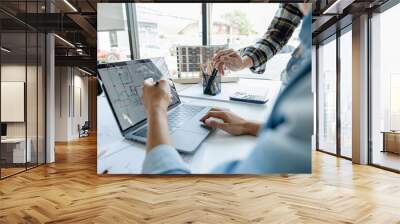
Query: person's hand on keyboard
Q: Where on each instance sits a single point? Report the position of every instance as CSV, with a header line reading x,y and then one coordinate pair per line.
x,y
230,122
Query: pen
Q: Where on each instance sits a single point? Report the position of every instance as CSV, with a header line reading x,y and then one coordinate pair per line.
x,y
211,79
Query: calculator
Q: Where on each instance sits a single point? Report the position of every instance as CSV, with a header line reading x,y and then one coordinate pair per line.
x,y
249,98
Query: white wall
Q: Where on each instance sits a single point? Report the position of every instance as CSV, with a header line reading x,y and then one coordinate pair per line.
x,y
79,117
62,81
33,126
69,82
14,72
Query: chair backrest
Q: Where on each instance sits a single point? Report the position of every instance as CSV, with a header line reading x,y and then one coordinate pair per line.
x,y
86,125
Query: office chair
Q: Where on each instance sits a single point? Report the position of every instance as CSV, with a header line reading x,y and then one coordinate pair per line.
x,y
84,130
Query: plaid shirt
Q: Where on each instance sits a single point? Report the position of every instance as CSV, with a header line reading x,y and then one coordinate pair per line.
x,y
286,19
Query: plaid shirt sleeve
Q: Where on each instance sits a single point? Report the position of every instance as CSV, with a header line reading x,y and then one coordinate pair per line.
x,y
286,19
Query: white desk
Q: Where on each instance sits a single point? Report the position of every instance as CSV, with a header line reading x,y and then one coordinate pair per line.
x,y
18,151
117,155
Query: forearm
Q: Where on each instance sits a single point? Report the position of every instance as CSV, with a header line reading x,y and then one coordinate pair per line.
x,y
247,62
158,132
286,19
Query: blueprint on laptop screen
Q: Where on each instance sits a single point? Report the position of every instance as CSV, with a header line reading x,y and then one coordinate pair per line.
x,y
124,89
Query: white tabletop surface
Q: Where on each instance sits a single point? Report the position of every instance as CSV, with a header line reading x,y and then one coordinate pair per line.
x,y
116,155
13,140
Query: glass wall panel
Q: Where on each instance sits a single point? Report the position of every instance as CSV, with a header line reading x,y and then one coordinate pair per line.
x,y
385,84
22,90
31,98
13,89
346,94
327,96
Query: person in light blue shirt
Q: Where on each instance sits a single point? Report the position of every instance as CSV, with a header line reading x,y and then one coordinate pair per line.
x,y
284,140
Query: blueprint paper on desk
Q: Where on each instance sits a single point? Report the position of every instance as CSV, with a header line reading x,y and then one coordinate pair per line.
x,y
229,89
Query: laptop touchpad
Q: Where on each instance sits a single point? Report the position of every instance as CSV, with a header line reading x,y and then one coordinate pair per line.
x,y
186,141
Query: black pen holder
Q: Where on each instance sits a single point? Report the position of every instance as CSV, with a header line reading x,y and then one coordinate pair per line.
x,y
211,84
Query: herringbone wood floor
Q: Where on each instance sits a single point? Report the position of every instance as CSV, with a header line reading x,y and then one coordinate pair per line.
x,y
70,191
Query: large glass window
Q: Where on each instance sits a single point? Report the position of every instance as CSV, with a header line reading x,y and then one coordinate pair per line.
x,y
112,33
239,25
385,84
163,27
346,94
327,96
158,29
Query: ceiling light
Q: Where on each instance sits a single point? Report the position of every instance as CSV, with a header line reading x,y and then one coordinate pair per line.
x,y
86,72
5,50
330,8
70,5
65,41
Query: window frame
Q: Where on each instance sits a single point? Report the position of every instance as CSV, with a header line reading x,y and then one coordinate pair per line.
x,y
323,37
42,38
206,31
379,10
336,36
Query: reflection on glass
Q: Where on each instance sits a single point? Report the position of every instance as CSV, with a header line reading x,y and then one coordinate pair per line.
x,y
31,99
327,97
346,94
162,27
386,89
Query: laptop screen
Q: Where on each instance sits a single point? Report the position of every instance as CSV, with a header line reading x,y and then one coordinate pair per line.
x,y
122,82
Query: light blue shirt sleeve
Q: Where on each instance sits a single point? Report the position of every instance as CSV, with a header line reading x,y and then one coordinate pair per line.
x,y
164,159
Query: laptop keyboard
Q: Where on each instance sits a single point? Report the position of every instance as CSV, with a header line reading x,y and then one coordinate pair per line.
x,y
176,118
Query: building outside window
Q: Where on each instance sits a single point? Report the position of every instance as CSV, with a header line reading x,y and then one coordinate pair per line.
x,y
327,96
385,89
112,33
346,94
240,25
163,27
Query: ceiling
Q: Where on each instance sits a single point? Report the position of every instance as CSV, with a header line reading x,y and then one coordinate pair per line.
x,y
330,15
76,22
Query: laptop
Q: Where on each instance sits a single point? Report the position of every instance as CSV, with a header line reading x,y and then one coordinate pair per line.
x,y
122,82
